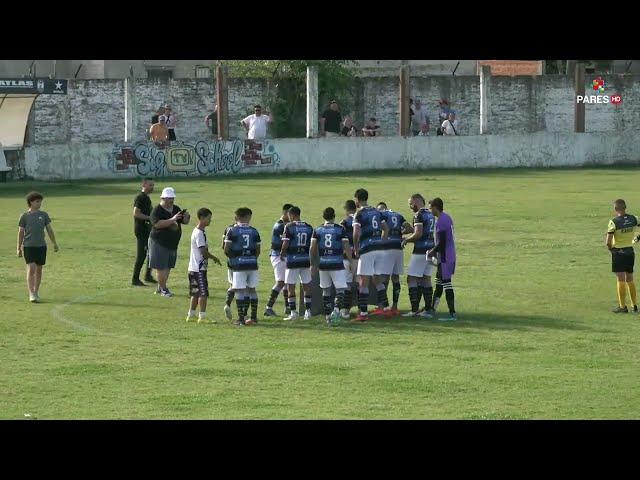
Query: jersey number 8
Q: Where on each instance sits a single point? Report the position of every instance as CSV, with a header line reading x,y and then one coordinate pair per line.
x,y
327,240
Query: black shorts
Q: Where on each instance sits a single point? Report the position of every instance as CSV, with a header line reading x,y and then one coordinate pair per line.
x,y
198,284
37,255
172,134
622,260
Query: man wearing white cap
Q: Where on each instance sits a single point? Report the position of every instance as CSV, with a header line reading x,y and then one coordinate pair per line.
x,y
166,231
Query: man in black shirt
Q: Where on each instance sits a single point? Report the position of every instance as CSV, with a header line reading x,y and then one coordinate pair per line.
x,y
331,120
142,228
166,220
211,121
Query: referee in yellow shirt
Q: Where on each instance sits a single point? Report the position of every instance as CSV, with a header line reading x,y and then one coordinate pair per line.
x,y
620,240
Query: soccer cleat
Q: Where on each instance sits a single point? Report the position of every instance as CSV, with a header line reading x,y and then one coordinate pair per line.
x,y
620,310
206,321
137,283
165,293
377,311
191,319
362,317
33,298
426,314
292,316
239,323
250,321
268,312
452,317
307,314
344,313
635,308
37,296
411,314
227,312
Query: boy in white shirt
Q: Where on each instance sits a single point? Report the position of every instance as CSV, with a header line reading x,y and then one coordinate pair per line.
x,y
198,283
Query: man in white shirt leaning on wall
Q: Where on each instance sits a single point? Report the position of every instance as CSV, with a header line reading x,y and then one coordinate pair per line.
x,y
256,124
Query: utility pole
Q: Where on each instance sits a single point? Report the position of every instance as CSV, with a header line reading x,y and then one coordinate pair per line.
x,y
222,101
405,76
579,108
312,102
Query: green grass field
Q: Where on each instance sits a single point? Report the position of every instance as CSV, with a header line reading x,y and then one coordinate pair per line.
x,y
535,337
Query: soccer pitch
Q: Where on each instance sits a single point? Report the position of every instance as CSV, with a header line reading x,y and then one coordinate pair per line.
x,y
534,339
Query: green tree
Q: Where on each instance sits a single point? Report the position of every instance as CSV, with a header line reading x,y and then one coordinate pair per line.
x,y
286,98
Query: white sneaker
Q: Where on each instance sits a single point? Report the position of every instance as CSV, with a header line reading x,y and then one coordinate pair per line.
x,y
227,311
307,314
37,294
425,314
344,313
411,314
32,298
292,316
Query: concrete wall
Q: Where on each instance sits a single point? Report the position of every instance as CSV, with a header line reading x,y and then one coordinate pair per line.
x,y
93,111
213,158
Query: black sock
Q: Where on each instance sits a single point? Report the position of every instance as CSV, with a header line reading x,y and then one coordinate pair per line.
x,y
291,303
396,293
348,297
450,298
420,294
285,297
328,307
414,299
254,308
383,299
273,297
148,274
428,294
230,295
240,305
363,301
307,303
340,299
355,299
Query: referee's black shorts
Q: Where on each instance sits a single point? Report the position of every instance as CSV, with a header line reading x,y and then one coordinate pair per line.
x,y
622,260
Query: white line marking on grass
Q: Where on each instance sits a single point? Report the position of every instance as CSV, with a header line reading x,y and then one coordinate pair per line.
x,y
56,313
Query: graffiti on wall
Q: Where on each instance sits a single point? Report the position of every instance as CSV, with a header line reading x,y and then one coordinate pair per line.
x,y
219,157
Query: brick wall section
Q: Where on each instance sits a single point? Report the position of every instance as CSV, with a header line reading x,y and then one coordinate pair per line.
x,y
512,67
93,110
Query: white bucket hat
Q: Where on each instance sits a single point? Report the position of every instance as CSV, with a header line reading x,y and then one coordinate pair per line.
x,y
168,192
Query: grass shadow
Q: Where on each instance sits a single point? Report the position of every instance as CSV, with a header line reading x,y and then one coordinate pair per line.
x,y
466,321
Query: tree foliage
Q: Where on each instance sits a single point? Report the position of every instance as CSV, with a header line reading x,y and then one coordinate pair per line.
x,y
286,97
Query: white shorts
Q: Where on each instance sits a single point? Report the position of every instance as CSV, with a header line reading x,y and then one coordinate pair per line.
x,y
245,279
418,266
291,276
337,278
370,263
229,275
392,262
279,267
350,269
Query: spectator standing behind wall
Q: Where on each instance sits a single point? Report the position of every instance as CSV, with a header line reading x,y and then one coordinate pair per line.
x,y
443,114
156,116
256,124
349,129
419,118
371,129
159,133
211,121
330,120
172,121
451,126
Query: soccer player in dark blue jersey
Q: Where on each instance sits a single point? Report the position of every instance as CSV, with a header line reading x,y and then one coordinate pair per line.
x,y
296,241
279,266
230,292
392,252
242,246
369,230
350,266
420,269
329,242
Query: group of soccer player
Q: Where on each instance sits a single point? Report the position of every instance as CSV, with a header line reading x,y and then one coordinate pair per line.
x,y
364,250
